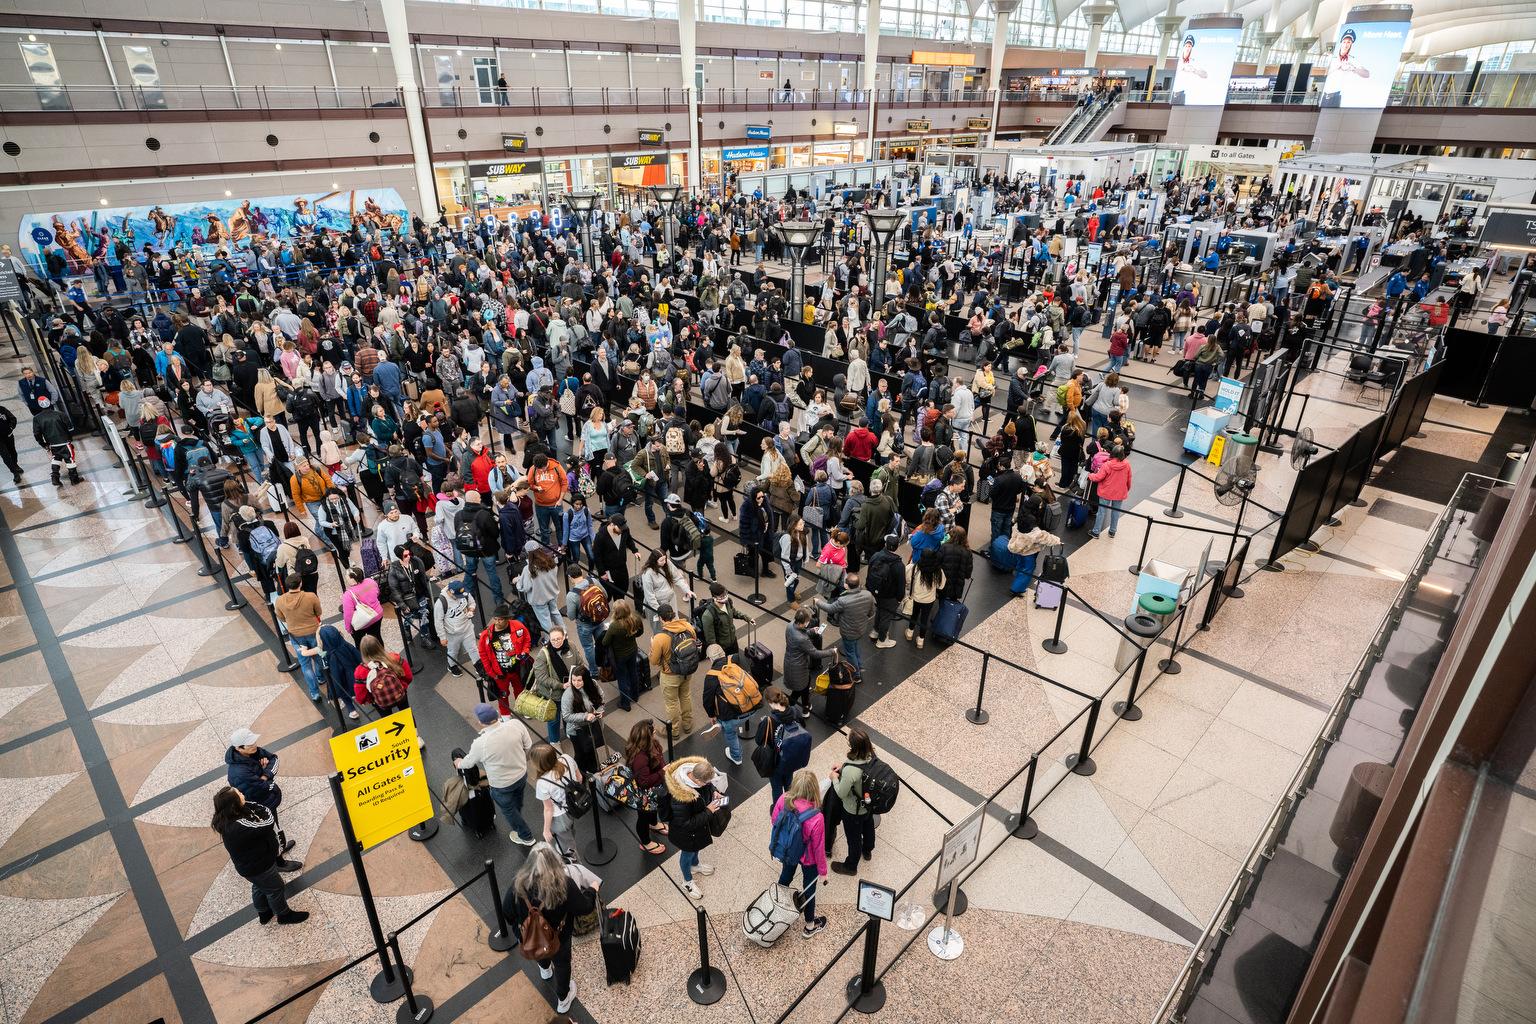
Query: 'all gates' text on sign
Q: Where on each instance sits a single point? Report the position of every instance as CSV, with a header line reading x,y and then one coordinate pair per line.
x,y
382,778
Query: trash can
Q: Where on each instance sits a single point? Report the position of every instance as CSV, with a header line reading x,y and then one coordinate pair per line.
x,y
1160,606
1142,627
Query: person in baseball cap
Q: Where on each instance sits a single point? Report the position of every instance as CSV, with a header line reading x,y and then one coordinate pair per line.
x,y
501,751
252,769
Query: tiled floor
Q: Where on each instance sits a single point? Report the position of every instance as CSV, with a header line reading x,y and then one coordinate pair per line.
x,y
123,675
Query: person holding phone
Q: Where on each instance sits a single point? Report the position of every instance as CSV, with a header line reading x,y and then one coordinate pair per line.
x,y
581,706
699,813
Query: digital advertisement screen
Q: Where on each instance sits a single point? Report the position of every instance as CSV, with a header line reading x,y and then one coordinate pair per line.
x,y
1365,58
1203,62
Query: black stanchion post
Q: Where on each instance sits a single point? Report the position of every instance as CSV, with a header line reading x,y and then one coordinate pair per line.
x,y
285,660
169,503
1141,556
1055,645
598,852
706,985
757,596
235,602
501,938
1024,826
976,715
1127,708
866,993
417,1008
1081,763
671,754
211,566
405,638
1169,666
1172,512
388,985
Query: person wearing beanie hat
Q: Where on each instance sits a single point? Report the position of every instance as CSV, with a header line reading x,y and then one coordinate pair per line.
x,y
51,430
501,751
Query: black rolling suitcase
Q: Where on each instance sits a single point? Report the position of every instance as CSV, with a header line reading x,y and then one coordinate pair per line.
x,y
620,942
478,815
760,662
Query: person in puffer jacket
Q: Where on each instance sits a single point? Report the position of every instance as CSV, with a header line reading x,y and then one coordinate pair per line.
x,y
696,792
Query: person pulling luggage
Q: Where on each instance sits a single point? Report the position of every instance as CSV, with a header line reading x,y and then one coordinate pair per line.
x,y
798,840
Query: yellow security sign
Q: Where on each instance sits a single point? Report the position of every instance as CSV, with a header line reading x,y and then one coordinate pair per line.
x,y
382,778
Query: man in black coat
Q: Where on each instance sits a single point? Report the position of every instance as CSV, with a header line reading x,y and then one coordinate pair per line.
x,y
50,428
8,442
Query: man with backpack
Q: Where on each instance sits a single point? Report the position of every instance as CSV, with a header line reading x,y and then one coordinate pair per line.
x,y
477,537
717,621
680,533
453,613
676,653
886,576
587,605
730,694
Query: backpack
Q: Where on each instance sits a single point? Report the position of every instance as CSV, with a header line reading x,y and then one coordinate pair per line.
x,y
408,482
264,543
194,455
540,941
387,686
465,536
880,788
738,688
306,563
786,844
685,654
592,603
692,529
677,441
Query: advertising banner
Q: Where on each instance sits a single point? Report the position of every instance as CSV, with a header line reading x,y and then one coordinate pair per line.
x,y
1203,64
1509,229
85,236
730,153
759,131
1366,56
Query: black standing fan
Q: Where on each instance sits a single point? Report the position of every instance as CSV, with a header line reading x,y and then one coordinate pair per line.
x,y
1232,486
1302,449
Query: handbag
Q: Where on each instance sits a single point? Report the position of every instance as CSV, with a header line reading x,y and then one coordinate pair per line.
x,y
531,706
540,941
362,617
813,516
823,682
906,602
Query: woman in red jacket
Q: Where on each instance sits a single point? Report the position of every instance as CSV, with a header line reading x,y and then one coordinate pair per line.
x,y
1114,480
503,648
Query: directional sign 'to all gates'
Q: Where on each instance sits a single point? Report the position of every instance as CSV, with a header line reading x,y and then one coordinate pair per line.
x,y
382,778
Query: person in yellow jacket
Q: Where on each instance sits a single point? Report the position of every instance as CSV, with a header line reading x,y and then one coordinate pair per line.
x,y
309,485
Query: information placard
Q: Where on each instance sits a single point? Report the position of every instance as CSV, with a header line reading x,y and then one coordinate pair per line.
x,y
382,778
877,900
960,846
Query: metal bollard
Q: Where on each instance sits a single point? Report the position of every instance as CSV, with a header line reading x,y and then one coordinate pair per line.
x,y
501,938
706,985
417,1009
1081,763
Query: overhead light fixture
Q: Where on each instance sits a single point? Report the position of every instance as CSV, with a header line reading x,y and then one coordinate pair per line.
x,y
278,45
103,200
375,49
459,52
31,38
335,185
228,193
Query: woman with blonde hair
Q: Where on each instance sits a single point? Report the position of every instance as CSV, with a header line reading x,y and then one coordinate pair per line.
x,y
803,800
269,404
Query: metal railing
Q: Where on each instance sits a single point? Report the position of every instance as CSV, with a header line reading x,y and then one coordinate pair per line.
x,y
15,99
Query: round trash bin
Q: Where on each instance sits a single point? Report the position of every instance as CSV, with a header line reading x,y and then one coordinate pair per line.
x,y
1159,606
1142,627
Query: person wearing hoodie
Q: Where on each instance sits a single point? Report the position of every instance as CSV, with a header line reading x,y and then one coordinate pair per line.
x,y
450,502
1026,543
781,727
255,849
1114,480
453,613
341,661
698,814
803,800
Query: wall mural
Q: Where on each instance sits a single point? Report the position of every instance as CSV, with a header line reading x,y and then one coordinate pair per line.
x,y
85,237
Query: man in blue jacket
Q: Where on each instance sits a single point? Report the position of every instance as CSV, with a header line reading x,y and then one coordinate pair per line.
x,y
252,770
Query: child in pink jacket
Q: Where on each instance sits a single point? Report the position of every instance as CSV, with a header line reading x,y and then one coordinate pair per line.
x,y
803,799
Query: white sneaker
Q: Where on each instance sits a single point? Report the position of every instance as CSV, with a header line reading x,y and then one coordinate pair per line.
x,y
564,1005
519,840
693,891
874,635
352,715
885,645
547,972
704,869
733,760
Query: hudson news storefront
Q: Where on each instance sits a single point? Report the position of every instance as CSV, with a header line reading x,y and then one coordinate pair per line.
x,y
508,188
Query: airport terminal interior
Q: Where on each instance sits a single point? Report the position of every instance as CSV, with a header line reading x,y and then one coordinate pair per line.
x,y
767,511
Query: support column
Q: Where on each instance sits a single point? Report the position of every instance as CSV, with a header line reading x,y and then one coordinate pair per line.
x,y
1267,41
1002,8
1169,25
687,44
410,95
1095,15
871,66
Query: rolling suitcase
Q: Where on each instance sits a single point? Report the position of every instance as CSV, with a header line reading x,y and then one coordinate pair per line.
x,y
998,555
1077,513
1047,594
478,815
948,621
771,914
620,942
760,663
